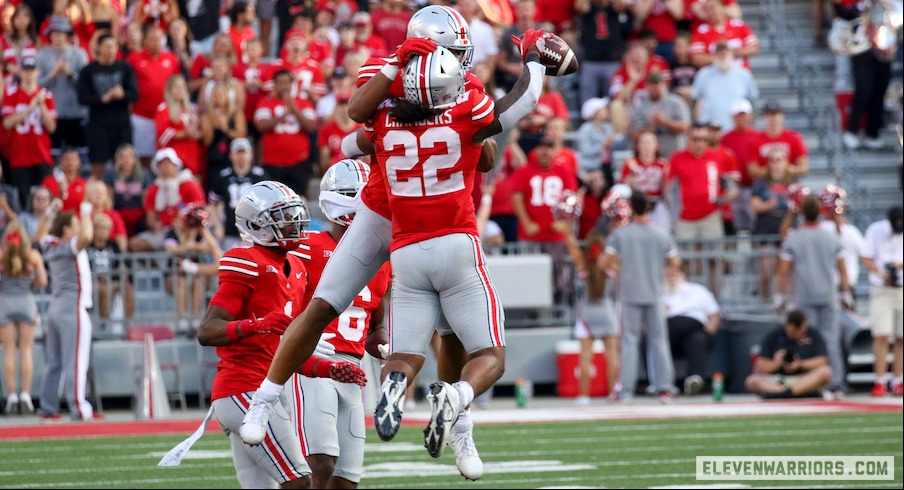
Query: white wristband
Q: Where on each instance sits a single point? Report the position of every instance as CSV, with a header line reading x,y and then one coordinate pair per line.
x,y
486,199
85,208
390,71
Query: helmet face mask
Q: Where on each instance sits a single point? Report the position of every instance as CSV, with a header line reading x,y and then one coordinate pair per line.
x,y
339,189
272,215
447,28
434,81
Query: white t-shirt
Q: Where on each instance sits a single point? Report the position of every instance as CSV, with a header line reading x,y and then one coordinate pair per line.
x,y
691,300
884,247
851,243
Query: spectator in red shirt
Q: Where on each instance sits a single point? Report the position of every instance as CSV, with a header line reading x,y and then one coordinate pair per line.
x,y
257,76
743,141
365,37
661,17
241,30
647,172
65,183
562,155
630,78
153,66
391,22
731,169
329,138
720,27
775,135
201,72
307,73
558,13
29,116
550,104
173,189
178,126
158,13
284,120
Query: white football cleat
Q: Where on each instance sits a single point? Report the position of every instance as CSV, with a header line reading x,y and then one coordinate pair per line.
x,y
256,421
466,458
445,406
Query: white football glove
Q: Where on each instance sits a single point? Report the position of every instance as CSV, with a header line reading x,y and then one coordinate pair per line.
x,y
324,348
384,350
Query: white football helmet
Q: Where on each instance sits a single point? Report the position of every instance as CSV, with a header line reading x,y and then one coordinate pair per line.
x,y
339,189
434,80
273,215
447,28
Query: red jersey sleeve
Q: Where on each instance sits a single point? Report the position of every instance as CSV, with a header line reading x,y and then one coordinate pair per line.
x,y
238,271
370,68
484,111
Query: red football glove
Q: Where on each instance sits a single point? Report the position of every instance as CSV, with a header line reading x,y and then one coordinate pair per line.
x,y
414,46
273,322
343,372
530,38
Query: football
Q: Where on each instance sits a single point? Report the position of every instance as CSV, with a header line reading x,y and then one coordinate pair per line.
x,y
557,56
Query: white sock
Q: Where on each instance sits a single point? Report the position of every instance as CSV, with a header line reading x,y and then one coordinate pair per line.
x,y
269,390
463,424
466,393
883,379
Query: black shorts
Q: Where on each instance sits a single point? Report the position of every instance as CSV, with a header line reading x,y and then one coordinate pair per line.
x,y
104,140
69,133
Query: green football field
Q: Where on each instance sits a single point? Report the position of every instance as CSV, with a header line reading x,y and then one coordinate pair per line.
x,y
589,454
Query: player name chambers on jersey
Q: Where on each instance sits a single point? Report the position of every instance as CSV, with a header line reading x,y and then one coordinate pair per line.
x,y
443,119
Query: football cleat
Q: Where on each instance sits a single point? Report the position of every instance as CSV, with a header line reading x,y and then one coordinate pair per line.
x,y
254,426
388,414
444,408
466,458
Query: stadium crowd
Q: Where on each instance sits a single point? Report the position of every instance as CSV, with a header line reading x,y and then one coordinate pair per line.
x,y
155,110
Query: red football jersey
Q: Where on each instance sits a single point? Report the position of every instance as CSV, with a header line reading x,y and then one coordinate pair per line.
x,y
239,38
430,168
735,32
788,140
541,188
287,144
151,75
374,193
257,285
308,75
700,181
11,54
74,195
745,146
352,326
648,177
330,136
187,148
621,77
29,141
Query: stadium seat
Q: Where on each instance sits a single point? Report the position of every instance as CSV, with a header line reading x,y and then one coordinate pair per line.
x,y
136,333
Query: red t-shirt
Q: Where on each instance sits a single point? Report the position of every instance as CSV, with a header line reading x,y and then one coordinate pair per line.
x,y
239,38
352,326
391,26
700,181
29,141
308,75
189,192
592,210
330,136
151,75
660,21
788,140
745,145
542,188
253,284
735,32
731,168
621,77
648,177
430,168
287,144
319,49
560,14
74,195
564,157
187,148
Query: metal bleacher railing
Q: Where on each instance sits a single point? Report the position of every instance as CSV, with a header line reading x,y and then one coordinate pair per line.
x,y
731,264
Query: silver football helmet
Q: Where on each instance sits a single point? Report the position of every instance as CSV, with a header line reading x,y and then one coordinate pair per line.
x,y
435,80
273,215
339,189
447,28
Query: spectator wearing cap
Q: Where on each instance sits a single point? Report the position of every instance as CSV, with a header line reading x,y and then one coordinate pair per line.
x,y
241,30
661,17
329,138
365,37
662,113
486,47
59,65
739,37
228,186
153,66
391,22
221,123
596,137
173,189
718,85
743,141
65,183
776,135
31,110
603,44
